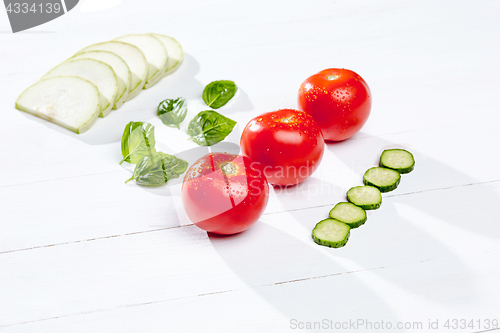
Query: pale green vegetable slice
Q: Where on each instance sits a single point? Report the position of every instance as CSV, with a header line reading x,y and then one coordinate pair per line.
x,y
155,53
397,159
384,179
366,197
331,233
97,72
71,102
119,67
132,56
174,52
348,213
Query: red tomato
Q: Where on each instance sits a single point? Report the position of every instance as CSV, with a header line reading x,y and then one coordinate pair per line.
x,y
224,194
338,99
288,143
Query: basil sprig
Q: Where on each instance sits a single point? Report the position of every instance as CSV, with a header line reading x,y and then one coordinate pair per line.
x,y
153,168
216,94
209,127
138,140
158,169
172,112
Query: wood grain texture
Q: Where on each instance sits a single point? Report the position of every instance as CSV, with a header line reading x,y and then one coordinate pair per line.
x,y
80,251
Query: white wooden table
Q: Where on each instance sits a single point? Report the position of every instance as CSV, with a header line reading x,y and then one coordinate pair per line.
x,y
80,251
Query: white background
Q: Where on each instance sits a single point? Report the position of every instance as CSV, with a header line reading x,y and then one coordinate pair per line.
x,y
80,251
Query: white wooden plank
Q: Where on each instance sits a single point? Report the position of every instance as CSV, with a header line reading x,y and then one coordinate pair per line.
x,y
80,251
340,298
101,205
183,262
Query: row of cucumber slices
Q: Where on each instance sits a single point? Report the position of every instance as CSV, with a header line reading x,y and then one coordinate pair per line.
x,y
99,78
335,231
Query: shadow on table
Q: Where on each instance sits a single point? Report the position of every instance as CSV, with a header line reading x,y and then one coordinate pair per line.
x,y
435,202
388,236
239,103
386,239
279,270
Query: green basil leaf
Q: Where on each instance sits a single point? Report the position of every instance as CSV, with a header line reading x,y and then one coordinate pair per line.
x,y
172,111
209,127
157,169
216,94
138,140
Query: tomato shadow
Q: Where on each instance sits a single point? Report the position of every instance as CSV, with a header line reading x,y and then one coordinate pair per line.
x,y
296,197
400,234
239,103
142,108
302,282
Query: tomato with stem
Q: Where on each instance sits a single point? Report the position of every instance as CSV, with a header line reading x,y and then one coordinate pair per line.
x,y
339,100
287,143
224,193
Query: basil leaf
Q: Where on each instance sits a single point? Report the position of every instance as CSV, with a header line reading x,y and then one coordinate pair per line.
x,y
209,127
172,111
138,140
157,169
216,94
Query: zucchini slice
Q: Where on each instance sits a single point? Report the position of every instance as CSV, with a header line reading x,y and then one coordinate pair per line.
x,y
331,233
366,197
348,213
134,59
384,179
120,68
155,53
397,159
94,71
174,51
70,102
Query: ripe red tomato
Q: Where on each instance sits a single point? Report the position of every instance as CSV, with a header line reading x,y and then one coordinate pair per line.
x,y
288,143
224,193
339,101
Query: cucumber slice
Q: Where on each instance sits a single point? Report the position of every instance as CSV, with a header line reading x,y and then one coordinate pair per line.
x,y
397,159
134,58
174,52
70,102
155,53
97,72
366,197
331,233
119,67
349,214
384,179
